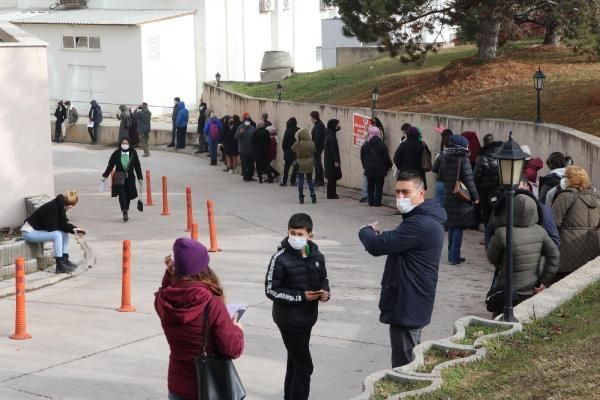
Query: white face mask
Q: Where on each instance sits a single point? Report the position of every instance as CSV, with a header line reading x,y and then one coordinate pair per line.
x,y
247,123
124,147
563,183
297,242
405,204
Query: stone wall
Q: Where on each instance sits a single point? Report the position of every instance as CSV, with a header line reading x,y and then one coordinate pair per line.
x,y
543,139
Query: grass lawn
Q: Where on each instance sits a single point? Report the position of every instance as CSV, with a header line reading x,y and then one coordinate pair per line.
x,y
475,331
387,387
553,358
453,82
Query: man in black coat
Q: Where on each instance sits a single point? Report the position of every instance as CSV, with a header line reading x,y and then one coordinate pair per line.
x,y
202,145
409,154
176,101
296,282
318,138
411,269
333,170
487,175
61,116
289,138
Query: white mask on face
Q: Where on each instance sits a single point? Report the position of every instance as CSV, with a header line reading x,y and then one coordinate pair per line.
x,y
563,183
247,123
405,204
297,242
124,147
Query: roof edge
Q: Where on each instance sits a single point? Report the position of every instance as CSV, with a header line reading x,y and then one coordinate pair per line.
x,y
20,37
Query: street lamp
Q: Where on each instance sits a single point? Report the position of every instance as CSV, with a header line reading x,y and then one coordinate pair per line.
x,y
538,84
374,98
218,79
279,91
511,159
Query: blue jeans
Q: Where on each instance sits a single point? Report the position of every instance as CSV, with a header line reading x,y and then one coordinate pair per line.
x,y
58,238
439,192
311,185
455,236
365,188
212,148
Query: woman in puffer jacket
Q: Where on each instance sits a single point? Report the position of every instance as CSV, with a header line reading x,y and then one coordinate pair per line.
x,y
305,149
576,210
189,290
530,243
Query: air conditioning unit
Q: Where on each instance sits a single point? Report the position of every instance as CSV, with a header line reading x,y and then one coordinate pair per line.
x,y
266,6
287,4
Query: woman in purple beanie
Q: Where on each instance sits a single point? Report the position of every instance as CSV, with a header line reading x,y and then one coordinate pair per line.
x,y
190,287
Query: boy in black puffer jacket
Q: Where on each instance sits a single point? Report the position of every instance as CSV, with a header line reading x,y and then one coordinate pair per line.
x,y
296,281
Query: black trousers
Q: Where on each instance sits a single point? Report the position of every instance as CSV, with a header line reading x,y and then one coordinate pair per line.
x,y
93,132
403,341
57,132
485,205
319,179
375,190
247,166
299,362
331,188
173,134
181,133
263,167
286,169
124,199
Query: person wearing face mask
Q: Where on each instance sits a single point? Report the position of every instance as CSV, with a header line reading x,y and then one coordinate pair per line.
x,y
333,170
229,144
244,135
49,223
296,281
126,163
202,146
411,268
576,210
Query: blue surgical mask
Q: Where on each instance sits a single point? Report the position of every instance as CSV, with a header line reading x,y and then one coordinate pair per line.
x,y
405,204
297,242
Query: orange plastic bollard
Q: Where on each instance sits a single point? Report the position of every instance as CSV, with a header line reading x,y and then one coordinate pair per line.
x,y
188,201
148,189
165,196
126,289
214,246
20,323
194,231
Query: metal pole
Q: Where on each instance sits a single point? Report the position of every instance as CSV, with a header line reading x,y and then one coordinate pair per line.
x,y
539,108
279,96
508,305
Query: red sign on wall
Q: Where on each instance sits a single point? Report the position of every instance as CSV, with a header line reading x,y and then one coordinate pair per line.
x,y
361,125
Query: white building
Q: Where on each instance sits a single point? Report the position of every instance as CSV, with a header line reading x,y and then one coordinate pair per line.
x,y
153,50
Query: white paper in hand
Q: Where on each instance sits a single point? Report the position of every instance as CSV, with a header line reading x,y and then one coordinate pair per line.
x,y
90,124
102,187
239,309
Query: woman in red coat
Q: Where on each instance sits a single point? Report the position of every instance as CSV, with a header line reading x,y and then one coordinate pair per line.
x,y
189,288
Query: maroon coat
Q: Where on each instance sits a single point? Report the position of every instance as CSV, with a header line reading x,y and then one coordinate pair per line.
x,y
180,307
531,168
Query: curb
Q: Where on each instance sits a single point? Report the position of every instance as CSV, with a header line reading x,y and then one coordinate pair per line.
x,y
47,277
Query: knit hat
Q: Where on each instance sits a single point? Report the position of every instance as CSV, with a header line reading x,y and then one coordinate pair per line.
x,y
191,257
245,115
458,140
373,132
413,132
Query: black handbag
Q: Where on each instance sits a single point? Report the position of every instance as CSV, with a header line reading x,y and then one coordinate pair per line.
x,y
494,299
216,374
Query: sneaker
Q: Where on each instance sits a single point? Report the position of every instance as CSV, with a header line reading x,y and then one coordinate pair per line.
x,y
226,170
363,200
231,171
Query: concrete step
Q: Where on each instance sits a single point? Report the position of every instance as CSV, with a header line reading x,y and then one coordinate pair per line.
x,y
11,250
32,265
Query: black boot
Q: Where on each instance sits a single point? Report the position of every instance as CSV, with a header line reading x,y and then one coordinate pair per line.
x,y
61,268
314,198
125,216
301,199
67,263
171,144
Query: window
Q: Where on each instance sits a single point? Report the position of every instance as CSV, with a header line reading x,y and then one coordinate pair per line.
x,y
319,53
81,42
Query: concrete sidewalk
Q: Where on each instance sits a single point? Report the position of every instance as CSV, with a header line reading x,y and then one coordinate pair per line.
x,y
83,349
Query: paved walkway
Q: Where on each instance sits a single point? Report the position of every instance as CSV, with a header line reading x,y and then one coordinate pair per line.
x,y
83,349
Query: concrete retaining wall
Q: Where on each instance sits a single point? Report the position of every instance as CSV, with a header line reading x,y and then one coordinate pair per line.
x,y
354,55
543,139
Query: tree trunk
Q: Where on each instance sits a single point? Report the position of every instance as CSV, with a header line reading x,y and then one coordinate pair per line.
x,y
488,36
552,37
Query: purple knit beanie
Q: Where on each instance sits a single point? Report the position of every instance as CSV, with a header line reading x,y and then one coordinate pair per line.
x,y
191,257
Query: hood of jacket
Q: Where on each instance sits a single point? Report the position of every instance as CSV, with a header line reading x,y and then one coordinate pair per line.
x,y
304,134
500,206
430,208
525,211
589,197
183,302
332,124
375,140
291,123
181,105
93,103
560,172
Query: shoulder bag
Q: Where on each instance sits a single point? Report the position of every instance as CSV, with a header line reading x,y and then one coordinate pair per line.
x,y
216,374
460,189
426,161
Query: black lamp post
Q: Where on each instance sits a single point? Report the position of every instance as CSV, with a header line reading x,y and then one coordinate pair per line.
x,y
538,84
511,159
374,98
218,79
279,89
